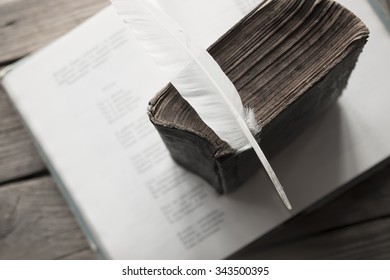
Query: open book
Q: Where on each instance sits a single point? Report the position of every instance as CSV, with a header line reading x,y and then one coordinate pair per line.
x,y
84,100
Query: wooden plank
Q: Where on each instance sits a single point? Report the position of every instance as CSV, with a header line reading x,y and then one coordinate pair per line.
x,y
35,223
370,240
85,254
18,156
385,4
368,201
28,25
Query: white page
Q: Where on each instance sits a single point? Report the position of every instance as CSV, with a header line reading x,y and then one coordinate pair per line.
x,y
135,202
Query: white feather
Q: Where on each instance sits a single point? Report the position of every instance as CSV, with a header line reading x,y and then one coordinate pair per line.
x,y
192,71
196,76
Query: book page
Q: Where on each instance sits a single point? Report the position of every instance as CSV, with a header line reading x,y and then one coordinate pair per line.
x,y
84,99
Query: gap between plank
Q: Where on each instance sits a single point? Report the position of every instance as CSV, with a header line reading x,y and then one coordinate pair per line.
x,y
35,175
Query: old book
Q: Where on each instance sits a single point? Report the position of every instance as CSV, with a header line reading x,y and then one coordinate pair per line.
x,y
289,60
85,106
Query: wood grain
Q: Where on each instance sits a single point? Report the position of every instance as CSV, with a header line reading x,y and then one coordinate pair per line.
x,y
366,201
385,5
369,240
362,212
35,223
24,27
27,25
18,156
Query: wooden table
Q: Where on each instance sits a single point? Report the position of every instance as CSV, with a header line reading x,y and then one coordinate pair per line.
x,y
35,222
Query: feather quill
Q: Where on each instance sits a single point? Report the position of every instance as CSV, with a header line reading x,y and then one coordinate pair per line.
x,y
196,76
